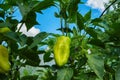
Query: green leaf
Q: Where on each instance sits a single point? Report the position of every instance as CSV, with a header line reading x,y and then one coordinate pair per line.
x,y
75,32
30,20
14,47
109,69
30,56
72,10
24,9
97,64
33,6
42,5
117,73
85,76
57,15
115,29
65,74
63,12
9,22
2,14
3,76
23,39
80,21
67,30
73,7
96,20
97,42
29,77
87,16
38,38
47,57
82,61
5,6
13,36
29,40
4,24
65,1
91,32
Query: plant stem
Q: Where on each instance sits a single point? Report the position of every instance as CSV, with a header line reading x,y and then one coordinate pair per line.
x,y
61,24
61,21
107,8
20,27
66,26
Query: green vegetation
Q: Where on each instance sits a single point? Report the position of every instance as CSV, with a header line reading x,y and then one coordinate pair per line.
x,y
94,48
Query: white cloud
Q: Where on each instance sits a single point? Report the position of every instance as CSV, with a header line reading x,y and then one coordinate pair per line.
x,y
97,4
31,32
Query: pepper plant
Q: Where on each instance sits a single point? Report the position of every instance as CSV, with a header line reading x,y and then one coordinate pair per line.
x,y
92,45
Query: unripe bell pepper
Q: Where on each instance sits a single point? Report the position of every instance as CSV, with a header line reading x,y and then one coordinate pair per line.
x,y
4,60
4,30
62,50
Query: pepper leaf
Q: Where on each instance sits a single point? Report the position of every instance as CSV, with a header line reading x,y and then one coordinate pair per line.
x,y
65,74
97,64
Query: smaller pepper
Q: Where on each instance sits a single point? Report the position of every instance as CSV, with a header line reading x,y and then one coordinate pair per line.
x,y
4,60
4,30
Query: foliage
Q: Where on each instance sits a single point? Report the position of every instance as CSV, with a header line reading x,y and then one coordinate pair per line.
x,y
94,48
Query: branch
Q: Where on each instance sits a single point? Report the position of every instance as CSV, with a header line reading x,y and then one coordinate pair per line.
x,y
107,8
20,27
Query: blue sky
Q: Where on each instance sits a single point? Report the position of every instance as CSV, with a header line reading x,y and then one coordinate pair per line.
x,y
47,20
49,23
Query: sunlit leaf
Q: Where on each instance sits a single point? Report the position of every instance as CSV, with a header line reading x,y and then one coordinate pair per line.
x,y
97,64
87,16
65,74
